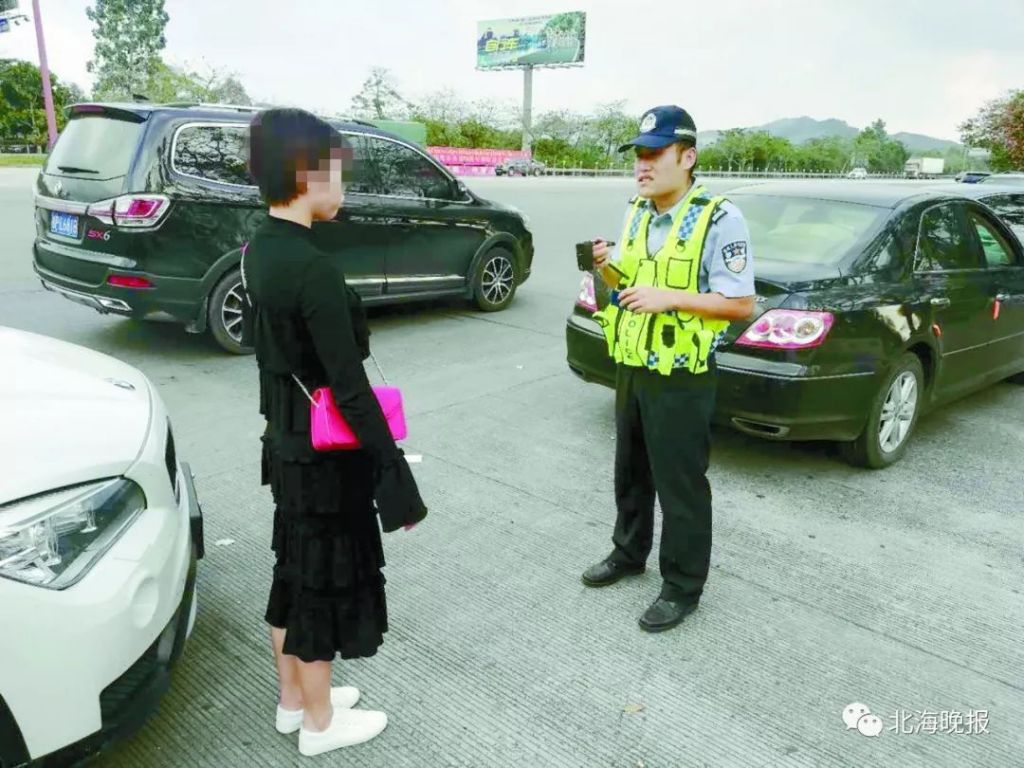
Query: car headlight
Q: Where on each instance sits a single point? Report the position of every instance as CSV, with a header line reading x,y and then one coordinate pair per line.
x,y
54,539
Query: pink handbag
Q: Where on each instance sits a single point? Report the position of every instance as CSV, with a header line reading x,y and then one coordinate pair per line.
x,y
330,432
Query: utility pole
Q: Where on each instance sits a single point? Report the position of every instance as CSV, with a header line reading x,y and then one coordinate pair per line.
x,y
44,71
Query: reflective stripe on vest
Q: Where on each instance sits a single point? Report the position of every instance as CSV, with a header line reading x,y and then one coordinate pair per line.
x,y
668,340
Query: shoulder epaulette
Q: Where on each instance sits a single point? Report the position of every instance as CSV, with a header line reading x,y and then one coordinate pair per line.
x,y
719,214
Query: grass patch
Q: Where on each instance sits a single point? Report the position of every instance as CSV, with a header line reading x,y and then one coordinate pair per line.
x,y
21,161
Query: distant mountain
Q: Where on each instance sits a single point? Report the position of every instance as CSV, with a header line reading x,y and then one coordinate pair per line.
x,y
803,129
917,142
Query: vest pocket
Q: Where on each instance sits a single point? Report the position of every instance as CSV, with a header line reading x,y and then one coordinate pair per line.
x,y
678,274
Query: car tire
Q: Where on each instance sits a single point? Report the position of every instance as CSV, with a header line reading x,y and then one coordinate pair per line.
x,y
494,282
895,407
225,314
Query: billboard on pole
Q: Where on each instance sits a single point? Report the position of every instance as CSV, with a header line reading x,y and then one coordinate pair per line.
x,y
538,41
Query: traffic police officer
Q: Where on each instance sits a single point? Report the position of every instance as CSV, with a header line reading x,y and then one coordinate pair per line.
x,y
683,269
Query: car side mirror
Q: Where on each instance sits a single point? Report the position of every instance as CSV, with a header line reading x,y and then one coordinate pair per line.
x,y
461,190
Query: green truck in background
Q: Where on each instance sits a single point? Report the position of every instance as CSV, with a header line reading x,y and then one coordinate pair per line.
x,y
407,129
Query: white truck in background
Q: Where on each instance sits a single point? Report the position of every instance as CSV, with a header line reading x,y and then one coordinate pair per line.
x,y
924,167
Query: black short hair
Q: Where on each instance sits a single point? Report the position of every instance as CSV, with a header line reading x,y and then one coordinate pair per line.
x,y
284,143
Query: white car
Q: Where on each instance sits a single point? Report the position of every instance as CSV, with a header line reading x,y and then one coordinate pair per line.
x,y
857,173
100,531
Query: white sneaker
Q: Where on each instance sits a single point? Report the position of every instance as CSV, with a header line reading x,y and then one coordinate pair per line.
x,y
290,720
348,727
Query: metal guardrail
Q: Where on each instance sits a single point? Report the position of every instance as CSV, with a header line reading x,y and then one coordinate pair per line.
x,y
627,172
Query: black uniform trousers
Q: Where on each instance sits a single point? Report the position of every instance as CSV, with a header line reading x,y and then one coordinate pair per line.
x,y
663,445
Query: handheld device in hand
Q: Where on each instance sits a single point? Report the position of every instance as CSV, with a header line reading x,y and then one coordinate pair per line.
x,y
585,254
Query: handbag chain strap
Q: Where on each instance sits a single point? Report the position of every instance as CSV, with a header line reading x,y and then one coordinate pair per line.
x,y
245,289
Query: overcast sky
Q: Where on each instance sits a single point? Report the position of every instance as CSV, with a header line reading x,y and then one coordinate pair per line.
x,y
921,65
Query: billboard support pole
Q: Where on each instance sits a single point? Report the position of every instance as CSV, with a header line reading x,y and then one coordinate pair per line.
x,y
527,106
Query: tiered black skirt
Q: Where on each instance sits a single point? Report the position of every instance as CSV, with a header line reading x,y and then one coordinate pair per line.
x,y
328,589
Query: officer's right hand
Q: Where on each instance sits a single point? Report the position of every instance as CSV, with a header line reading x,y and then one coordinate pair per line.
x,y
601,254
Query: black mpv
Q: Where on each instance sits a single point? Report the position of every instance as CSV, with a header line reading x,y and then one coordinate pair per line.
x,y
141,210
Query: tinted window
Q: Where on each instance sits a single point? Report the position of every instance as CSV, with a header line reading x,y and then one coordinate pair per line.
x,y
1010,209
806,231
358,173
214,153
407,173
95,147
943,244
997,251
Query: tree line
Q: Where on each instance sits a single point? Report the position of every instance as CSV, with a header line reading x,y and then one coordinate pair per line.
x,y
128,66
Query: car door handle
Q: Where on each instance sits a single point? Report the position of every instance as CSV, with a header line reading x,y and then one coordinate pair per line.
x,y
940,302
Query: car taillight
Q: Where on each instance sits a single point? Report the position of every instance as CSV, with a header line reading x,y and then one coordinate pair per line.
x,y
129,281
787,329
131,211
586,298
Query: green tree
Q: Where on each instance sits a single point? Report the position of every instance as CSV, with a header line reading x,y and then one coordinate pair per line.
x,y
563,127
379,98
129,38
877,151
611,127
828,155
170,84
733,147
22,111
999,128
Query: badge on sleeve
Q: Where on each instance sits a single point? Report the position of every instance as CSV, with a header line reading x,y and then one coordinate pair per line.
x,y
735,256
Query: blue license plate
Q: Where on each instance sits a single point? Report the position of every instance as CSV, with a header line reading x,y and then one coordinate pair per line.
x,y
63,224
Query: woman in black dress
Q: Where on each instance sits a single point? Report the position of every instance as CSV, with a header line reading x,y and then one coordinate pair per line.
x,y
327,595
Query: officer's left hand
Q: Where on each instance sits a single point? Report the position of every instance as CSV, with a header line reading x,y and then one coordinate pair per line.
x,y
644,299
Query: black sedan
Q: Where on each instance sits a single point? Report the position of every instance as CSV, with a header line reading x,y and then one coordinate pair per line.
x,y
875,303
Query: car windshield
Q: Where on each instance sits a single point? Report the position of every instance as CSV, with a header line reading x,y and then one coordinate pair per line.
x,y
806,231
96,147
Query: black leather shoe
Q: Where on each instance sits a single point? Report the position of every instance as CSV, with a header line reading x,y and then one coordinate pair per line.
x,y
608,571
665,614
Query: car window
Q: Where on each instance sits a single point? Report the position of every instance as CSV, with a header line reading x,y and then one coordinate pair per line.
x,y
805,230
99,147
998,252
359,174
943,244
214,153
406,173
895,249
1010,209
